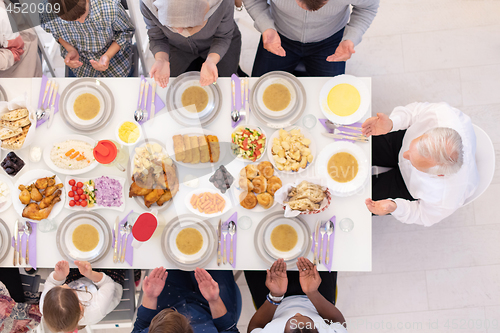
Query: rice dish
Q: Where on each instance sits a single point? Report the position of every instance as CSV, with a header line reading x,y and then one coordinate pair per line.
x,y
72,154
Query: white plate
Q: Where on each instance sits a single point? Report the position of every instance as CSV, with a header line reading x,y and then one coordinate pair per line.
x,y
275,253
71,101
312,147
252,127
29,178
355,185
5,240
363,106
50,164
73,251
187,202
8,182
185,112
172,245
193,131
67,188
123,143
260,94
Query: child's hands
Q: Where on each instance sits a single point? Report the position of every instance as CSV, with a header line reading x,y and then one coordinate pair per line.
x,y
61,270
208,287
72,59
154,283
102,64
84,268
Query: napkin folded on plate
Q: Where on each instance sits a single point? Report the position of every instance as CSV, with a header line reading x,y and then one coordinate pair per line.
x,y
158,103
129,254
323,241
32,244
45,105
227,240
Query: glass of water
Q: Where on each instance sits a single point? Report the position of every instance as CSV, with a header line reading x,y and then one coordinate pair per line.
x,y
346,224
47,225
245,222
309,121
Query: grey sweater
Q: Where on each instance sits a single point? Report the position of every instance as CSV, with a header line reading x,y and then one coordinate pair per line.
x,y
295,23
215,37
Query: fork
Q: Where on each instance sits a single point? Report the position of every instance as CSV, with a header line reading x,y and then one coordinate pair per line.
x,y
333,126
242,95
20,232
126,230
322,231
225,229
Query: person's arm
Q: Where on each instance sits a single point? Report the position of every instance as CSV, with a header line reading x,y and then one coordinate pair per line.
x,y
403,117
361,17
123,30
225,29
260,13
158,41
420,212
277,283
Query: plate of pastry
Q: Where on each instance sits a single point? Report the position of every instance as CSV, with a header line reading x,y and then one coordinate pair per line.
x,y
257,184
195,148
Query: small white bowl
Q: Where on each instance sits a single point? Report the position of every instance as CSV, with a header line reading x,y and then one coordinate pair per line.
x,y
123,142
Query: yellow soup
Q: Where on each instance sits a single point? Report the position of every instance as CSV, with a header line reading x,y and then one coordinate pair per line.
x,y
189,241
342,167
129,132
284,238
86,106
343,99
276,97
85,237
196,96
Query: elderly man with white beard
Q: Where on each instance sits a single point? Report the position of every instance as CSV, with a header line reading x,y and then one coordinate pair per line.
x,y
431,149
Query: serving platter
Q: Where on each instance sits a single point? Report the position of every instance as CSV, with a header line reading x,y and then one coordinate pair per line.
x,y
268,253
288,117
48,148
65,232
183,261
92,86
4,240
180,113
29,178
187,202
361,178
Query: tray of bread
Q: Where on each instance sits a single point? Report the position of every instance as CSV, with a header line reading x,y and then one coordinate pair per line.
x,y
195,148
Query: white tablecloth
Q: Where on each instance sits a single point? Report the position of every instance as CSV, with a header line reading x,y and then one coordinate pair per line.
x,y
352,251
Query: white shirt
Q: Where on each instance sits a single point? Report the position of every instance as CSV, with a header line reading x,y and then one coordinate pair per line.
x,y
298,304
437,197
102,297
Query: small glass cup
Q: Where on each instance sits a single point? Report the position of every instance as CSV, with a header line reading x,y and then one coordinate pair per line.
x,y
245,222
47,225
132,217
346,224
309,121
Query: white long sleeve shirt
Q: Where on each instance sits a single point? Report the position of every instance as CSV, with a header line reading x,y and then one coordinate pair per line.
x,y
437,197
102,297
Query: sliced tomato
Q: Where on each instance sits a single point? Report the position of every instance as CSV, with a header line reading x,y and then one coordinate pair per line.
x,y
245,144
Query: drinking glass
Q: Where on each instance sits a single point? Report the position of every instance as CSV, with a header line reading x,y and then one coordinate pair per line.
x,y
346,224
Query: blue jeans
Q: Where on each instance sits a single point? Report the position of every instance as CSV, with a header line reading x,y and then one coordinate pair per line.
x,y
313,55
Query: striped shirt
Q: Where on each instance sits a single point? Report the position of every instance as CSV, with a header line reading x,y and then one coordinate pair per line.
x,y
106,23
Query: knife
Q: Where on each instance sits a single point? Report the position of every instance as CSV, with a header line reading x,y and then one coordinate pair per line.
x,y
117,235
16,235
219,227
153,97
346,137
52,107
47,85
247,106
316,240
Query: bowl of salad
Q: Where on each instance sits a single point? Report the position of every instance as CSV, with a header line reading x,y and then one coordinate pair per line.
x,y
248,143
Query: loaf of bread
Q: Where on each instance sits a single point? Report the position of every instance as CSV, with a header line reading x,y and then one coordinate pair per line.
x,y
179,149
195,150
213,142
204,150
187,146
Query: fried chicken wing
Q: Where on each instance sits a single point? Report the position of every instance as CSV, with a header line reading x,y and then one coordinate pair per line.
x,y
51,189
42,183
48,200
51,181
153,197
137,191
35,194
166,196
25,195
32,211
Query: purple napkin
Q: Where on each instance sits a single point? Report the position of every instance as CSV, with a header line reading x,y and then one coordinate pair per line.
x,y
46,104
32,242
227,240
129,254
344,129
239,101
158,102
323,241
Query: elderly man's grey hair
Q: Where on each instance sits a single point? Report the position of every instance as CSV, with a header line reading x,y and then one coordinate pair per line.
x,y
444,146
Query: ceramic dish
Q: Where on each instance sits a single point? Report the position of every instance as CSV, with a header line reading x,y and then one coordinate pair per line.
x,y
312,147
187,202
4,240
193,131
361,178
179,112
50,163
262,244
360,87
29,178
183,261
289,108
269,118
65,233
8,182
96,88
123,143
234,146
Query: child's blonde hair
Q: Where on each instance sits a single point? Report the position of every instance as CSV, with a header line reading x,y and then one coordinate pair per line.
x,y
61,309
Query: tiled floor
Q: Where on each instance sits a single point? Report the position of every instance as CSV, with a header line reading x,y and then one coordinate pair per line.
x,y
445,278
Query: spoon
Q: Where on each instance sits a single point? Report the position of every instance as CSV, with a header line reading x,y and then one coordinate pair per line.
x,y
21,233
329,231
232,231
127,227
138,114
27,230
235,114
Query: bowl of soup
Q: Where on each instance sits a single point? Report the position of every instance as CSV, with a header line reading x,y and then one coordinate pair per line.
x,y
276,97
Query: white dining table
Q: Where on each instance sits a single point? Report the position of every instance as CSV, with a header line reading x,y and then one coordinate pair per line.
x,y
352,250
